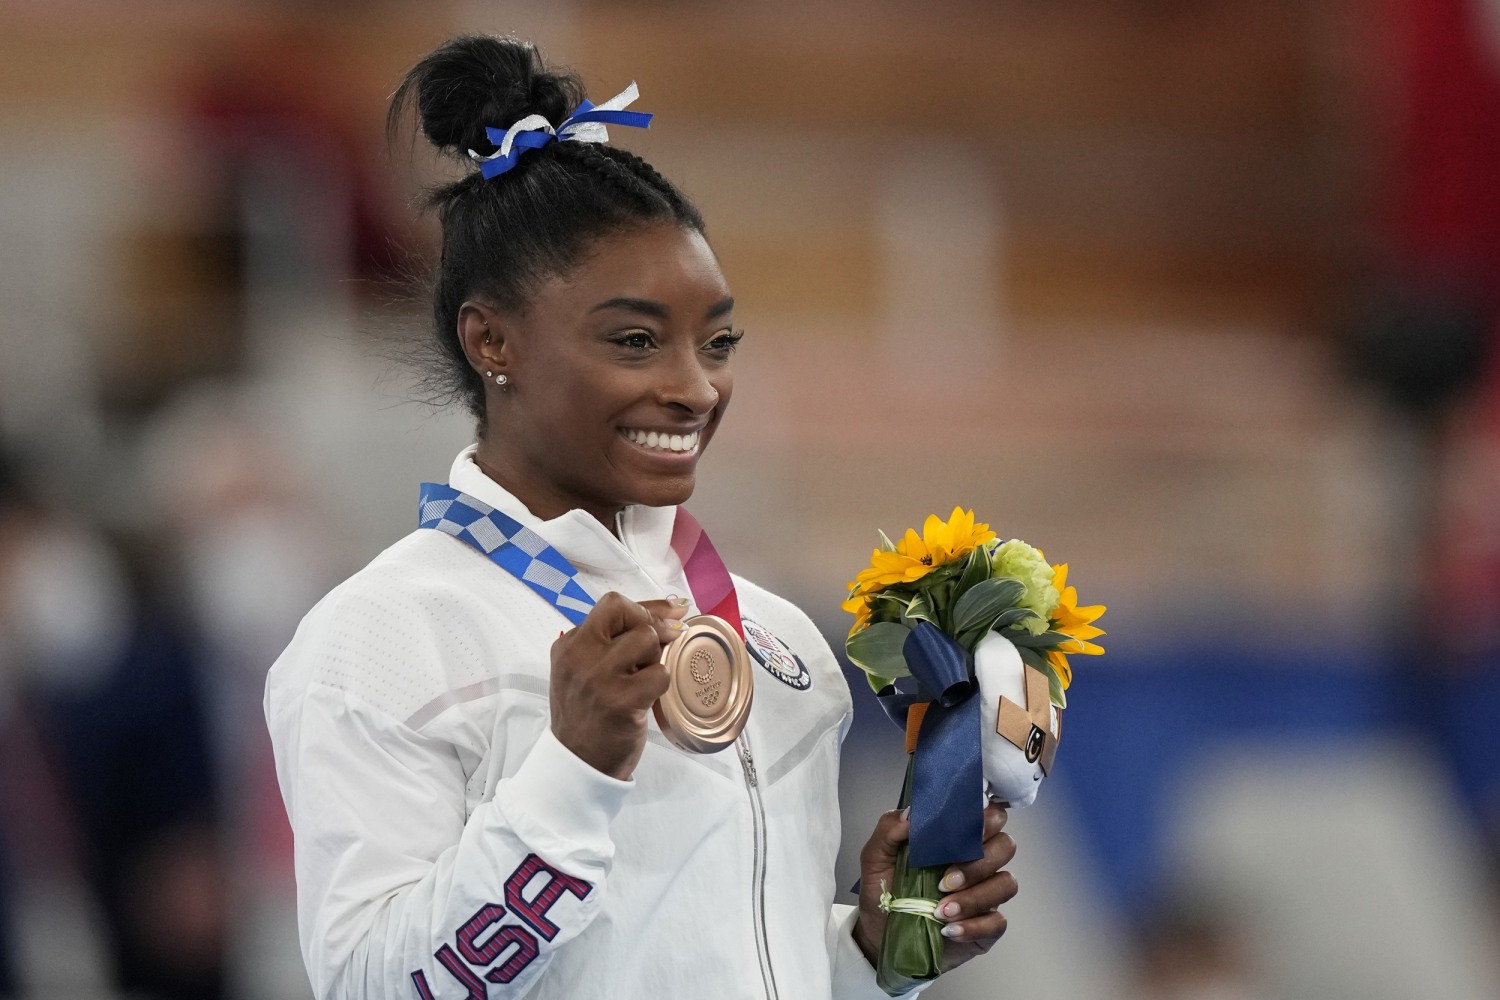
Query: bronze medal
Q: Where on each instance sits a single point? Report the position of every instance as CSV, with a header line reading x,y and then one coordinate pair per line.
x,y
708,697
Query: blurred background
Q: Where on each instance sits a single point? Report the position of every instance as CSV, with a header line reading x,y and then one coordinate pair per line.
x,y
1199,296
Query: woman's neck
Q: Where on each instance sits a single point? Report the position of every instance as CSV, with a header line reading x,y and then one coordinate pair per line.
x,y
543,500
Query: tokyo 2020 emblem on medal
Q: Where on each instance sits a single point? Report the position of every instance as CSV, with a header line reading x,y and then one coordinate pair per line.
x,y
710,688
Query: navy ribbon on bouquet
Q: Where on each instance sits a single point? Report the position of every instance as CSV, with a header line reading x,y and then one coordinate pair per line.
x,y
947,809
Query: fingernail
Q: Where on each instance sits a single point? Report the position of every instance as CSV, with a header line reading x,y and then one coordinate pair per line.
x,y
952,931
675,625
948,911
906,813
562,633
951,881
680,602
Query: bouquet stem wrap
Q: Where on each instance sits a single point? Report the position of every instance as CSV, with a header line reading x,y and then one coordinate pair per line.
x,y
943,789
911,951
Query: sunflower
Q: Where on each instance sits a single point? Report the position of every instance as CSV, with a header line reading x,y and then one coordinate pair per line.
x,y
859,607
913,557
1074,622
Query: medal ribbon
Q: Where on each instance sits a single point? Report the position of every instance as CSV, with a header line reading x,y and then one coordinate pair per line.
x,y
707,576
528,557
508,543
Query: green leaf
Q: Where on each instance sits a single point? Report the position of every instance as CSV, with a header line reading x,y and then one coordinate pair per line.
x,y
1032,658
984,602
1044,641
878,683
976,570
970,639
1015,616
939,599
978,625
877,649
1055,689
911,952
886,545
918,609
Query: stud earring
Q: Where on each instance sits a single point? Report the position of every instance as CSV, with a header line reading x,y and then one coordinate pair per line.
x,y
488,374
502,379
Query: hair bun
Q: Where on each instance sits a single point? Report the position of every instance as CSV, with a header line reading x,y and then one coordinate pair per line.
x,y
474,82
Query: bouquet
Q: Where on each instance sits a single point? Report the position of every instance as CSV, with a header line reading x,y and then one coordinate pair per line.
x,y
965,640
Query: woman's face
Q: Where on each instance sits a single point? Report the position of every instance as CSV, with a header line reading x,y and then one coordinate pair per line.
x,y
619,373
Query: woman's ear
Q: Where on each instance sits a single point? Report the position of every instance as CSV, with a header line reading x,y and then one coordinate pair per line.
x,y
482,336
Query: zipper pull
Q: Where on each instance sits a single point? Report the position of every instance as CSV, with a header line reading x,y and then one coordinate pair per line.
x,y
748,762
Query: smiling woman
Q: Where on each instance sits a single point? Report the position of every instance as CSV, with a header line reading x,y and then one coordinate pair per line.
x,y
609,399
484,806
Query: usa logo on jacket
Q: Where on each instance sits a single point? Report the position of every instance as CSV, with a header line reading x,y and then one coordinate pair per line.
x,y
773,654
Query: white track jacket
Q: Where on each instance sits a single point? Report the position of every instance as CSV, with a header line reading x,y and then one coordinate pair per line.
x,y
448,846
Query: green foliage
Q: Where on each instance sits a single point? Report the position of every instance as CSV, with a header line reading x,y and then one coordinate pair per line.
x,y
1044,641
911,951
966,599
918,609
877,651
976,611
976,570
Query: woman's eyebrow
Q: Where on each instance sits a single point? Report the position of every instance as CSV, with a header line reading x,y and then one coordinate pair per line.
x,y
659,310
647,307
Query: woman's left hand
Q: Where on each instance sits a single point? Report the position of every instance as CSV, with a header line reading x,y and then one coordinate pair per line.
x,y
974,891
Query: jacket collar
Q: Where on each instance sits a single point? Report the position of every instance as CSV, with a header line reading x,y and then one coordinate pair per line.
x,y
645,540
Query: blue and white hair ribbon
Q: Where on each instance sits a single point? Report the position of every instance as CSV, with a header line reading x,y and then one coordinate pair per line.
x,y
585,124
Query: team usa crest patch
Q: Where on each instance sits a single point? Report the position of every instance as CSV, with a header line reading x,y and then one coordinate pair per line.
x,y
773,654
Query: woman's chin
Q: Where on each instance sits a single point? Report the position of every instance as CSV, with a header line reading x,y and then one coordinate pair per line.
x,y
660,478
666,491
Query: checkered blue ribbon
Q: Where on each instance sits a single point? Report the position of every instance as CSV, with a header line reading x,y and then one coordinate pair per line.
x,y
509,544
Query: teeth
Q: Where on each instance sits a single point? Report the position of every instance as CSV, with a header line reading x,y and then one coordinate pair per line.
x,y
666,442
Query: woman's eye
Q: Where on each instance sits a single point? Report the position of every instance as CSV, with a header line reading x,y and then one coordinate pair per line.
x,y
726,342
636,340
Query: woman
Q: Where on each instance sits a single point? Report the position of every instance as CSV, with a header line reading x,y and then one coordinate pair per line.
x,y
482,805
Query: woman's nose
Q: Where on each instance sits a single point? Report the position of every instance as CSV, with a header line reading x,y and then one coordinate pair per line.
x,y
690,387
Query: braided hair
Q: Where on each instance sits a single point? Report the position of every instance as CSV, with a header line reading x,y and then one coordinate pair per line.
x,y
503,237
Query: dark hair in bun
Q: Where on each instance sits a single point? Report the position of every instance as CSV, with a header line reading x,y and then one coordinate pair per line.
x,y
504,236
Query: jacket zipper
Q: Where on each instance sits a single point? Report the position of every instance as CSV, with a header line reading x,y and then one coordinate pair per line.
x,y
758,877
758,817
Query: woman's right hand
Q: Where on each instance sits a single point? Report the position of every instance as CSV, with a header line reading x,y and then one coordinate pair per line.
x,y
606,673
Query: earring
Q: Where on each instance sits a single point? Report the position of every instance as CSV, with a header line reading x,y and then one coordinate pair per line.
x,y
502,379
488,374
